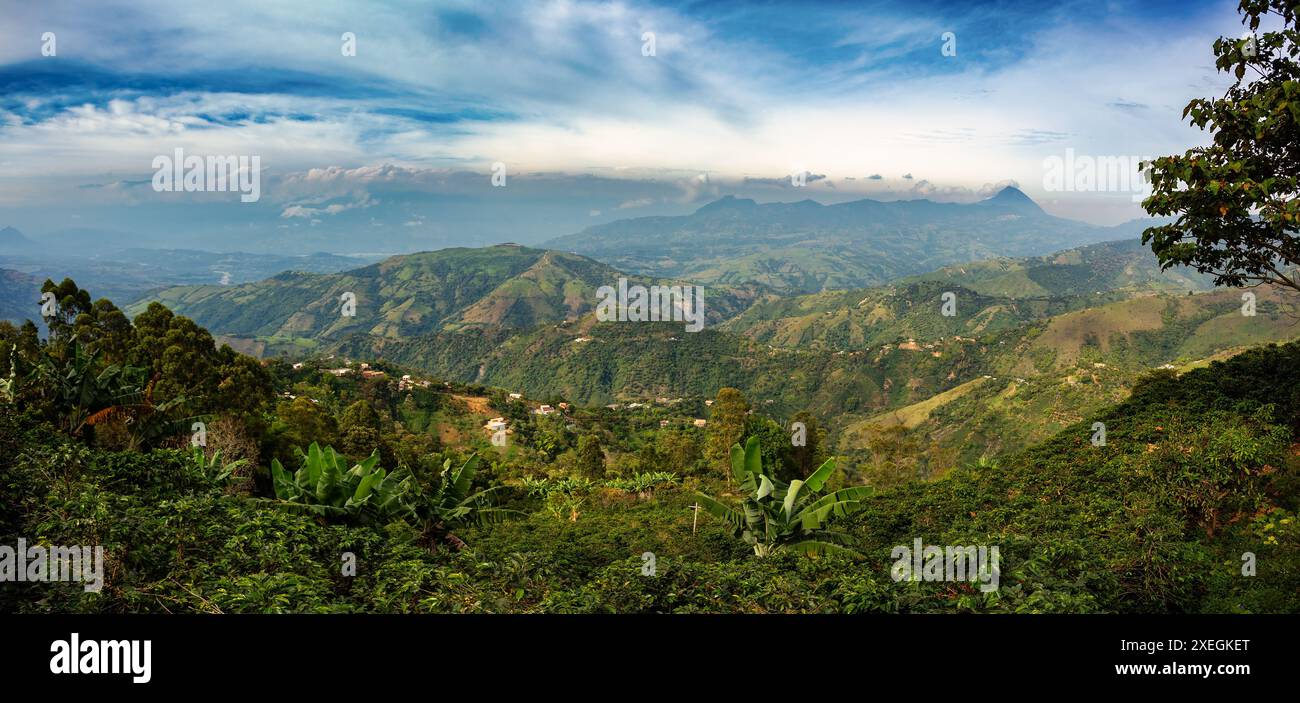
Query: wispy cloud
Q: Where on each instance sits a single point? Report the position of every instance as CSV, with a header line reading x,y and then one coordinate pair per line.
x,y
438,92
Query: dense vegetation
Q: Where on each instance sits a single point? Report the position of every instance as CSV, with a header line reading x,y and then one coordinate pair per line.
x,y
305,472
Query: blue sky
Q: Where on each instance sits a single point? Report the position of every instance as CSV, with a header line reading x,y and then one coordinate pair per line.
x,y
400,138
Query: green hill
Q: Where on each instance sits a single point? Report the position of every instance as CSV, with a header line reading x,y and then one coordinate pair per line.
x,y
504,286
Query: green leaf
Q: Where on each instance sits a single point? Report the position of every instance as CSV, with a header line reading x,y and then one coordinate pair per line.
x,y
820,476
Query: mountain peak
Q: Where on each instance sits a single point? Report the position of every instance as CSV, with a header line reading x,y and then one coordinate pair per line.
x,y
727,202
1011,194
14,240
1012,197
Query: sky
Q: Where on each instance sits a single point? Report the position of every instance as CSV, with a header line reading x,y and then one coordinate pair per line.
x,y
393,145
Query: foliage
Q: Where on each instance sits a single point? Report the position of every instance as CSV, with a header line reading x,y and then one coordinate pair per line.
x,y
1236,199
451,502
643,484
217,471
795,516
324,485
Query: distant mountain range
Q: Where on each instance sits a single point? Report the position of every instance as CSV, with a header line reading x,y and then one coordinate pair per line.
x,y
806,247
123,274
522,318
1032,343
503,286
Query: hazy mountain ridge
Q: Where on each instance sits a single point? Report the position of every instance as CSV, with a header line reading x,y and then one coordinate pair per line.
x,y
805,247
123,273
20,296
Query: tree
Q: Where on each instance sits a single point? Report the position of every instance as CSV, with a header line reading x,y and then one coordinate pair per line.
x,y
181,354
359,429
897,456
802,459
299,423
590,460
107,329
680,451
775,442
775,516
70,301
244,386
726,427
1236,200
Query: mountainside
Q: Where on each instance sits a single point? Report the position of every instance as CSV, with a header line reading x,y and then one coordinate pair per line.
x,y
988,296
592,362
504,286
522,318
807,247
1124,265
20,296
1062,369
12,241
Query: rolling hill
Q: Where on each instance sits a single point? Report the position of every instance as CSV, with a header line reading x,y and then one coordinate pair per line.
x,y
988,296
450,290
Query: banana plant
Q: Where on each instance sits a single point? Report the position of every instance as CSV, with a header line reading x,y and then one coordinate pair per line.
x,y
776,516
325,486
216,470
643,484
452,503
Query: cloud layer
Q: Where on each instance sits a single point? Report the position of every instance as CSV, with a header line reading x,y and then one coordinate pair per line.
x,y
567,97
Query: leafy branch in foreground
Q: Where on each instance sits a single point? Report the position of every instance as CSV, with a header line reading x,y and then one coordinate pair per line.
x,y
1237,200
775,516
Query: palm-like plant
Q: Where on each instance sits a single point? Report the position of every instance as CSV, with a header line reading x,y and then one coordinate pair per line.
x,y
325,486
146,421
452,503
775,516
216,470
643,484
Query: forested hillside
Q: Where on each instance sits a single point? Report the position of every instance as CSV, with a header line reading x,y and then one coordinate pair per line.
x,y
1199,469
